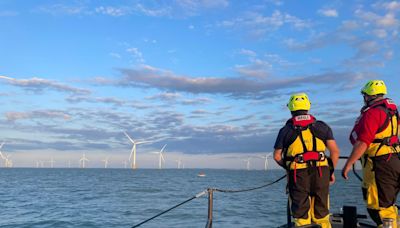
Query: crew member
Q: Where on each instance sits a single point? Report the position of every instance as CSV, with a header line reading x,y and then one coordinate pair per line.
x,y
300,149
375,141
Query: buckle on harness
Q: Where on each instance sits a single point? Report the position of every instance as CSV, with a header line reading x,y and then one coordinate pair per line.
x,y
299,158
310,156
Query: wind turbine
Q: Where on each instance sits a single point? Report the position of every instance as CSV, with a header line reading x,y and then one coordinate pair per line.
x,y
133,151
179,162
247,163
83,160
268,155
105,162
160,156
1,154
51,162
8,162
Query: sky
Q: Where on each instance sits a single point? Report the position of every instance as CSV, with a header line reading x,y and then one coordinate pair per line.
x,y
209,78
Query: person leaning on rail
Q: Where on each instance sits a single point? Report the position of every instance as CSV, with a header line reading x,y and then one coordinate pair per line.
x,y
375,140
300,149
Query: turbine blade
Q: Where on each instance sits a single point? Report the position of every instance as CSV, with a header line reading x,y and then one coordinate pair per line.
x,y
1,146
142,142
130,139
163,148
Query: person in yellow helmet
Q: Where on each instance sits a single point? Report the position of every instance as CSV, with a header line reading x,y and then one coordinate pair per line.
x,y
300,149
375,141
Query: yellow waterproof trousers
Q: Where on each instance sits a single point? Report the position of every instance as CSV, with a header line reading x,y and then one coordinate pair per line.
x,y
380,194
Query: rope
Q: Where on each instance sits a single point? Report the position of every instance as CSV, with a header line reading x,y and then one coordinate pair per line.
x,y
249,189
180,204
203,193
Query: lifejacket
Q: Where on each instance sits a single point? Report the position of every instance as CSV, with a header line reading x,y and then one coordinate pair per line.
x,y
306,149
386,139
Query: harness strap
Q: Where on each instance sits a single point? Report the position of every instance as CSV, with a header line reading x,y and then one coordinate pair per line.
x,y
393,140
300,133
307,156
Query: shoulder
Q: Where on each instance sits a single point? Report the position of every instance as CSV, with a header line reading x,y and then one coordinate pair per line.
x,y
320,123
286,128
322,130
374,113
321,126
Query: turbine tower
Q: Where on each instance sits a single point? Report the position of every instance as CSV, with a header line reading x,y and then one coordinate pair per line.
x,y
179,161
8,162
268,155
83,161
51,162
247,163
105,162
160,157
133,151
1,154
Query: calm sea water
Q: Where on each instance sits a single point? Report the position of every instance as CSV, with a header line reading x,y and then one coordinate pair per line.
x,y
123,198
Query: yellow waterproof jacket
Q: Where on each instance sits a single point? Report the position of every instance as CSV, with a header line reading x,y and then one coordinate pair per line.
x,y
305,141
386,139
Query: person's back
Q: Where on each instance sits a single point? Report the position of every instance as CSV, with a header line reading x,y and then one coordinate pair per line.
x,y
375,140
300,149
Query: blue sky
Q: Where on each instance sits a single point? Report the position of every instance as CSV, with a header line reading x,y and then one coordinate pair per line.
x,y
210,78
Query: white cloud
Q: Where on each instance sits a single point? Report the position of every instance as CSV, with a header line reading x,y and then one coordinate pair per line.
x,y
63,9
389,20
165,96
195,5
257,69
115,55
380,33
350,25
43,114
158,12
389,55
328,12
39,84
247,52
258,24
113,11
136,54
391,6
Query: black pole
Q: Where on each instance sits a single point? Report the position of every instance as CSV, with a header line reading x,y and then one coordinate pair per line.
x,y
289,216
210,208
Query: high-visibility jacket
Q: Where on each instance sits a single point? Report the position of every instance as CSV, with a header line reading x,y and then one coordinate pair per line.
x,y
386,137
306,145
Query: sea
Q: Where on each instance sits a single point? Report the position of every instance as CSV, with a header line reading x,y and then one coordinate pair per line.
x,y
56,197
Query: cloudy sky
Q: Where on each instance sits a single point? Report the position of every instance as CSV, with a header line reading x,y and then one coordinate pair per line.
x,y
209,78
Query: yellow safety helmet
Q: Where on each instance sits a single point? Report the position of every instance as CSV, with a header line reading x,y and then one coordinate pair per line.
x,y
374,87
299,101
